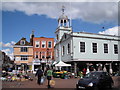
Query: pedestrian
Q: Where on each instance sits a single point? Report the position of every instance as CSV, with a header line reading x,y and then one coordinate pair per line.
x,y
39,74
49,76
84,71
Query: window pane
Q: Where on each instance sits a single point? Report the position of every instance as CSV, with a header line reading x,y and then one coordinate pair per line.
x,y
37,43
24,49
43,44
82,46
94,47
115,49
68,48
105,48
50,44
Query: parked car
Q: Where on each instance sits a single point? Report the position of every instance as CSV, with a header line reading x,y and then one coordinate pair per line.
x,y
117,74
95,80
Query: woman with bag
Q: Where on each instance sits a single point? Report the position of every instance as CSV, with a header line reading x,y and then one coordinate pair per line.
x,y
49,76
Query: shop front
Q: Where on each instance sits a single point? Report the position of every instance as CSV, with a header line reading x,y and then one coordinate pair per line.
x,y
36,64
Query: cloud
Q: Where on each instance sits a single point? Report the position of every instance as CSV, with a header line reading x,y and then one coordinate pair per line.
x,y
10,45
8,52
95,12
7,48
111,31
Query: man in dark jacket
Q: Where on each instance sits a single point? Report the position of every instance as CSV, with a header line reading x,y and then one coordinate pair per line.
x,y
39,74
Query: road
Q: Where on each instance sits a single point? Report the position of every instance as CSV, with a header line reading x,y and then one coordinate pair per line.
x,y
60,84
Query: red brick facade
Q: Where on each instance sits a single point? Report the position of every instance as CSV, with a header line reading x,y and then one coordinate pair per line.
x,y
42,48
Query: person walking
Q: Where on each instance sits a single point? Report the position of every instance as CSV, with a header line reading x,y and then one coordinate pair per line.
x,y
49,76
39,74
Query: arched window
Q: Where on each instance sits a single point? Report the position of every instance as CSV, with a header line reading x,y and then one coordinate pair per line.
x,y
63,50
68,47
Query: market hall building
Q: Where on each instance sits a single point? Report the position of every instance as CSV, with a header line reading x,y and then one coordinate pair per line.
x,y
86,50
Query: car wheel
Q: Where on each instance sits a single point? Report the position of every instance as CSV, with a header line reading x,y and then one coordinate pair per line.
x,y
111,85
77,87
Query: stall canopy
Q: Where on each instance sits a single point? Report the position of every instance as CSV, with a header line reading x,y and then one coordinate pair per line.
x,y
62,64
55,62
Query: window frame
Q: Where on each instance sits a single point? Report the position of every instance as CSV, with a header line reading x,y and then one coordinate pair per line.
x,y
115,49
63,50
22,49
37,44
105,48
82,47
43,44
24,57
68,48
22,42
94,48
48,44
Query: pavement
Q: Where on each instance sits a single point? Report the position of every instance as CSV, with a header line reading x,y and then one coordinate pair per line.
x,y
59,84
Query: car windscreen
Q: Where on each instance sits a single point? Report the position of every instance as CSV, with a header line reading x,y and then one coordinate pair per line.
x,y
92,75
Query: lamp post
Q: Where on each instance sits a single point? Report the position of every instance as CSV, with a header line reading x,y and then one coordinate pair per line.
x,y
47,57
40,58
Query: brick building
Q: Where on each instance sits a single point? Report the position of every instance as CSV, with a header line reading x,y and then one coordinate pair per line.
x,y
23,54
43,52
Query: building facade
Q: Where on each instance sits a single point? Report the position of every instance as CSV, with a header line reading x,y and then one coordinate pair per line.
x,y
86,50
43,52
23,54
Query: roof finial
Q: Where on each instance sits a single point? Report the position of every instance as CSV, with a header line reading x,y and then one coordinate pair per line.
x,y
63,9
32,32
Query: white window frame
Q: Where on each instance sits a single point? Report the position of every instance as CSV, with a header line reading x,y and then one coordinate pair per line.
x,y
44,44
63,50
48,44
43,54
24,57
106,48
82,47
95,48
37,43
22,42
117,49
68,49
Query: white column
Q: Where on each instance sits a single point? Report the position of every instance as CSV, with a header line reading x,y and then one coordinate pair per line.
x,y
63,22
104,69
87,68
110,70
33,67
75,68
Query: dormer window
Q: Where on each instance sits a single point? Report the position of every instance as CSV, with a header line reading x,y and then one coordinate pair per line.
x,y
22,42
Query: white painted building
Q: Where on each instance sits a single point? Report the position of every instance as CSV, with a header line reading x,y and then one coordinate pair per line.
x,y
83,49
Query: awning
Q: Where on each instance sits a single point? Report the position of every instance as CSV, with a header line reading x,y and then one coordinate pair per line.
x,y
55,62
62,64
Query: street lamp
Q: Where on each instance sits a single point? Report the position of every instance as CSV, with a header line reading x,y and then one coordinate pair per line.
x,y
47,56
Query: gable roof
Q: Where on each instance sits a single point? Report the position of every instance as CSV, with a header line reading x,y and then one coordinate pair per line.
x,y
26,42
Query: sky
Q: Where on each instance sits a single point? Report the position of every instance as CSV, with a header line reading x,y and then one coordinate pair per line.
x,y
20,18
